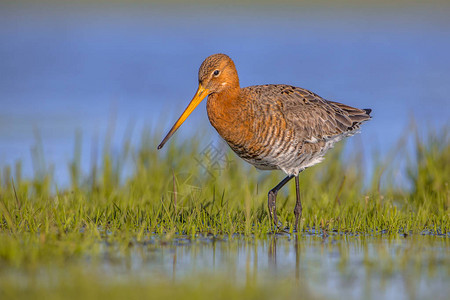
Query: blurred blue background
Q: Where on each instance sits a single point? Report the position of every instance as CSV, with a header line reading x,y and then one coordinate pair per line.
x,y
77,66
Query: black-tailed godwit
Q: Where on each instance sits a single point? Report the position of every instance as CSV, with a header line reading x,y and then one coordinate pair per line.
x,y
272,126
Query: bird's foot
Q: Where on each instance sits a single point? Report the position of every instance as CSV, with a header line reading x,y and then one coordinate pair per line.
x,y
277,225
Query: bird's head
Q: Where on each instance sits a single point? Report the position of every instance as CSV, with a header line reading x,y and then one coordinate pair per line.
x,y
217,73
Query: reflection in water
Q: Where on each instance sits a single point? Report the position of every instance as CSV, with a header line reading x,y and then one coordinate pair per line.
x,y
391,267
272,254
174,264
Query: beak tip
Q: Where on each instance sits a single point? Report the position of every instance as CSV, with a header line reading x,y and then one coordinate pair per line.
x,y
199,96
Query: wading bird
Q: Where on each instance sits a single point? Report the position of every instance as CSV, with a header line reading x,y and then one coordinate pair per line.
x,y
272,126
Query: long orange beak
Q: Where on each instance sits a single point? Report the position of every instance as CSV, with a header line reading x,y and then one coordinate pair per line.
x,y
199,96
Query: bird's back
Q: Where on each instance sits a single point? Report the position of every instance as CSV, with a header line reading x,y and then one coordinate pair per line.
x,y
292,128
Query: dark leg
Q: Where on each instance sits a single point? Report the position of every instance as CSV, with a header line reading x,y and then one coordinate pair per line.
x,y
298,204
273,197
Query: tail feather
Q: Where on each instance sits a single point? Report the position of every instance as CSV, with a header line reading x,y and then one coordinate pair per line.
x,y
356,115
360,117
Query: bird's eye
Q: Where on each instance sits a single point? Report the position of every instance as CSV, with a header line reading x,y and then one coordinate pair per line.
x,y
216,72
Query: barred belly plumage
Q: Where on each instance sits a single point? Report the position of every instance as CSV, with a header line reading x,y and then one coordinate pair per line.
x,y
290,156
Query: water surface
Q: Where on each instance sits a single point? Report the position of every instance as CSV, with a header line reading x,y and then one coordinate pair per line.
x,y
308,265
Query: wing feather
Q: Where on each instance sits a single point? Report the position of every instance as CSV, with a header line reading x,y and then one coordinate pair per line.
x,y
310,116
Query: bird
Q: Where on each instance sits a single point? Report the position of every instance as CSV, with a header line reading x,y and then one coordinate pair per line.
x,y
271,126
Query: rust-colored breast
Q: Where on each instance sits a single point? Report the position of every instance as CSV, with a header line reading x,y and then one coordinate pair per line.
x,y
231,116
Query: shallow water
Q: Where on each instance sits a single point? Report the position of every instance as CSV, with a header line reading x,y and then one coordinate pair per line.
x,y
78,67
335,266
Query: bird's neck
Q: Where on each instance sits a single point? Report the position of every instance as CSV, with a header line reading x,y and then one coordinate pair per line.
x,y
226,112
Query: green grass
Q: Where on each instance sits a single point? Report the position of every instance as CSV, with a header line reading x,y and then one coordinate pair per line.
x,y
169,195
169,192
